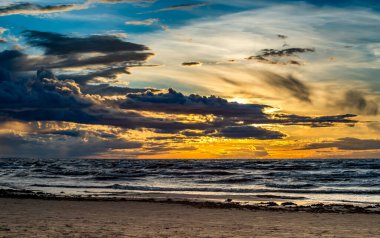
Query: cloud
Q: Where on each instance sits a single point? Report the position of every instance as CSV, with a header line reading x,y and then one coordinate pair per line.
x,y
58,44
175,102
230,81
149,22
272,56
42,92
109,90
282,36
285,52
357,102
313,27
231,112
45,99
259,151
246,132
321,121
61,144
347,144
49,99
19,62
28,8
270,61
67,52
31,9
71,133
182,7
191,63
146,22
107,73
290,84
85,62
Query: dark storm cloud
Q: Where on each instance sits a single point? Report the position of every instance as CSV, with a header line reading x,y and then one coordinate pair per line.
x,y
356,101
71,133
190,133
58,44
108,73
175,102
49,99
9,58
41,92
66,52
289,84
69,98
17,61
112,134
322,121
242,132
288,119
46,98
98,115
127,59
109,90
44,145
229,113
347,144
182,7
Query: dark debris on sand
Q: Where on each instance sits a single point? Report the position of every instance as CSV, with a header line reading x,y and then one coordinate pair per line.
x,y
228,204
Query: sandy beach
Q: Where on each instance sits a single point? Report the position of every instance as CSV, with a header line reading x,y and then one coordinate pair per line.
x,y
64,218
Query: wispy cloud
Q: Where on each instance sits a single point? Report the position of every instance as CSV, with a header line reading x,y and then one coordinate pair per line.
x,y
358,102
348,143
191,63
182,7
146,22
28,8
2,30
31,8
236,36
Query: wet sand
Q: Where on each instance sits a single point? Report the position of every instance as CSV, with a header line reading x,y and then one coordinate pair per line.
x,y
65,218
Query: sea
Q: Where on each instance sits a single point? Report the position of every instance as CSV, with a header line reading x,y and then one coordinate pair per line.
x,y
355,181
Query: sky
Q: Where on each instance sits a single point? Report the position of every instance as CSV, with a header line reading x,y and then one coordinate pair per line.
x,y
190,79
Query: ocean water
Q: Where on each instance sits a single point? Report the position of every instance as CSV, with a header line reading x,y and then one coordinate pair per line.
x,y
330,181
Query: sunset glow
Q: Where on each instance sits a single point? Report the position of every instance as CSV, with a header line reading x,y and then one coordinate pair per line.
x,y
199,80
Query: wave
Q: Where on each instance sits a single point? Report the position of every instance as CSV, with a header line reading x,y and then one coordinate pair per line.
x,y
304,185
292,178
208,189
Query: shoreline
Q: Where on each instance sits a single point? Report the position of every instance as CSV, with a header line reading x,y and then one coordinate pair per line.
x,y
226,203
99,218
